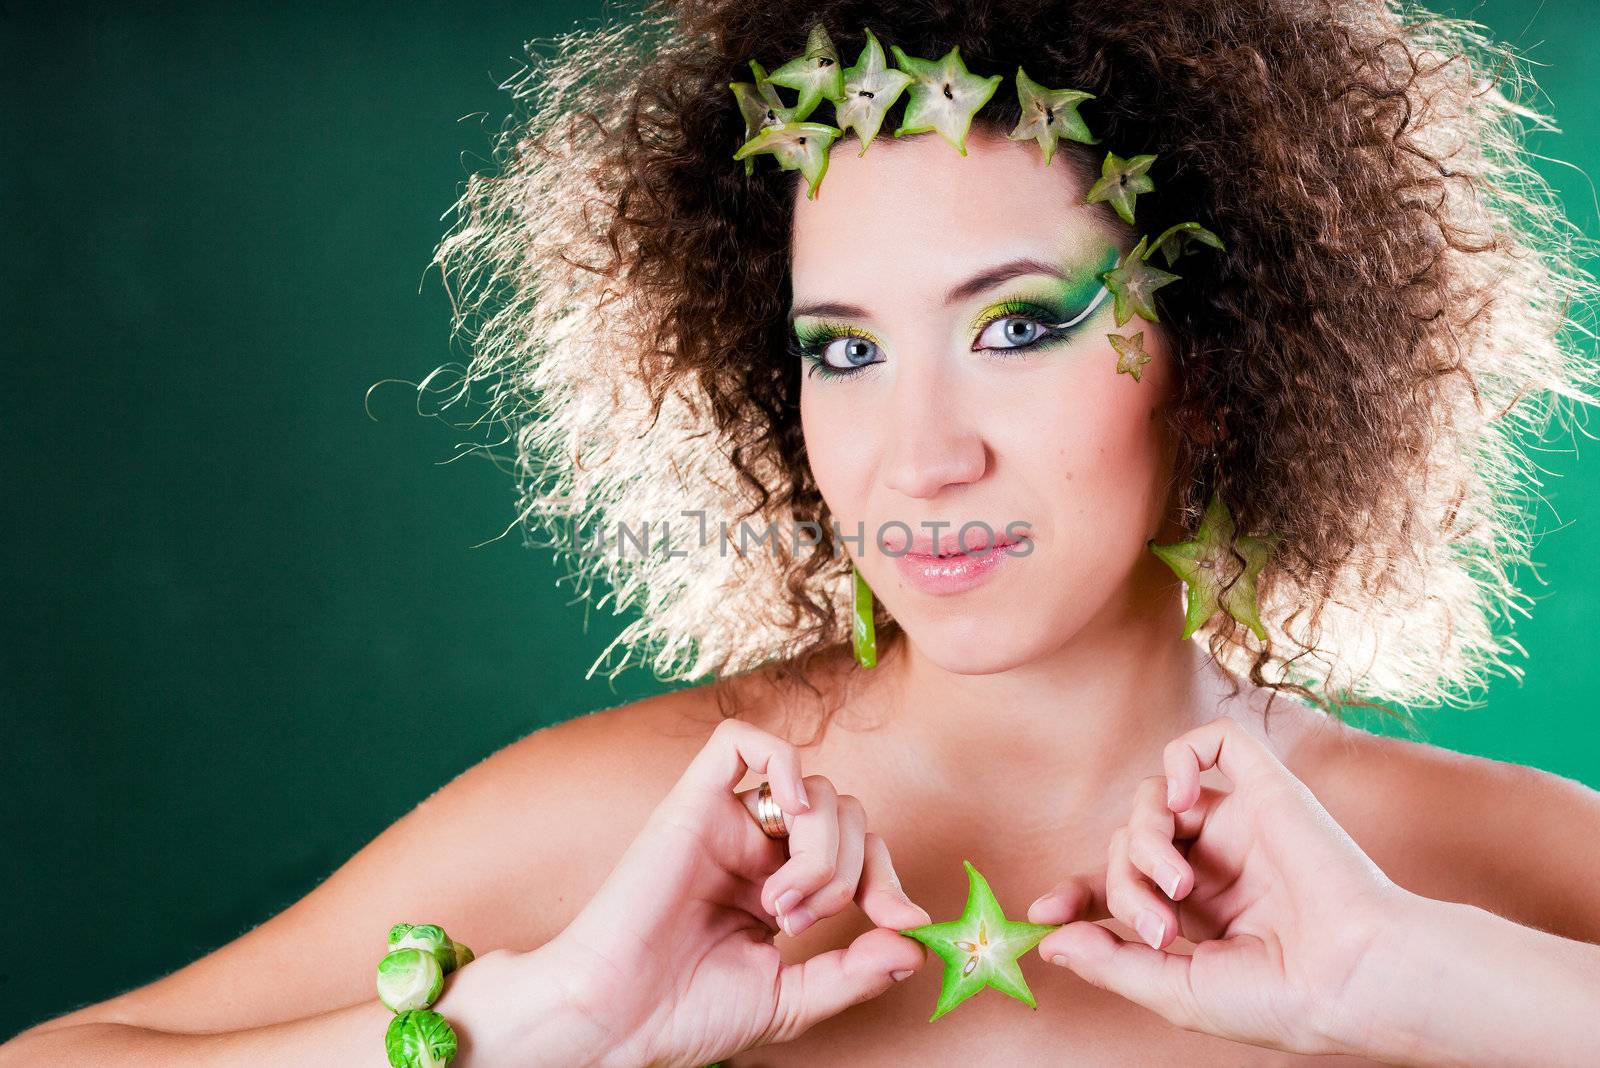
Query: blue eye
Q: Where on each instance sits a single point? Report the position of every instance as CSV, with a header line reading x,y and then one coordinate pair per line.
x,y
836,350
1011,332
850,352
1021,324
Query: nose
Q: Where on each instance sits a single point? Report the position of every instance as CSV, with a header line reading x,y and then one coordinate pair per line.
x,y
932,443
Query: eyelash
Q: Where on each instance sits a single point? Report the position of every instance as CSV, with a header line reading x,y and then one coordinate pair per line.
x,y
824,334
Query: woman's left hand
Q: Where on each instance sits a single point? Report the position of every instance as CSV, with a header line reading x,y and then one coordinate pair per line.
x,y
1282,905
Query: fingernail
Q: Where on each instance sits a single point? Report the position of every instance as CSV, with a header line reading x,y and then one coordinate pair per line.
x,y
1150,927
799,920
1172,793
1059,960
800,794
902,974
1167,878
788,899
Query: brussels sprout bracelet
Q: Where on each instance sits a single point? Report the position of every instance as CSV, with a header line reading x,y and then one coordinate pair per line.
x,y
411,978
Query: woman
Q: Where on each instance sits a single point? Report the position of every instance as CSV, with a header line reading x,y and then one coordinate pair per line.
x,y
674,341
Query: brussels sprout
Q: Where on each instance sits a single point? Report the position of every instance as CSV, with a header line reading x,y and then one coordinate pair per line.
x,y
428,937
420,1038
464,956
409,978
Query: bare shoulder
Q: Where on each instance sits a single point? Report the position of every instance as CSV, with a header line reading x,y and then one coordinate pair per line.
x,y
1502,836
579,791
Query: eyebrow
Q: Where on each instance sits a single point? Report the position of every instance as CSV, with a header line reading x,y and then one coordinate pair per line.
x,y
983,280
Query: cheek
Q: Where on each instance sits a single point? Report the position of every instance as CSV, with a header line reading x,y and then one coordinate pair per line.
x,y
1091,444
836,447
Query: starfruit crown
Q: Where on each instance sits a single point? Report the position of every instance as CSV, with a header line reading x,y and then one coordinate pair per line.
x,y
942,96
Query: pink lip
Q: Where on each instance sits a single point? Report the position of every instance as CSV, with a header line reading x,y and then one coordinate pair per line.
x,y
955,573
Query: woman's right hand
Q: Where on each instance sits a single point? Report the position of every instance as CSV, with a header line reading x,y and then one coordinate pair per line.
x,y
673,961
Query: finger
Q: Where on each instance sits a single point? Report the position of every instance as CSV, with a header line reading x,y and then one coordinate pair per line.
x,y
1223,744
1077,897
829,983
1155,979
1132,898
1151,829
736,747
813,850
1191,821
831,897
880,894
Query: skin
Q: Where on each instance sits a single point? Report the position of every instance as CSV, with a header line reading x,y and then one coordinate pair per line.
x,y
1016,730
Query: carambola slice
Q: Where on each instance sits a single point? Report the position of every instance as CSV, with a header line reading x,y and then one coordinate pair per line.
x,y
1180,238
816,73
943,96
761,106
1130,353
1049,115
870,87
980,948
1209,564
1133,283
1121,182
795,145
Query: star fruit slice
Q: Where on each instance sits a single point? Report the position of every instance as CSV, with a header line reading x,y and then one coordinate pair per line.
x,y
1133,283
1180,238
870,88
1130,353
799,146
1209,565
815,73
980,948
863,635
761,106
1049,115
1121,182
944,96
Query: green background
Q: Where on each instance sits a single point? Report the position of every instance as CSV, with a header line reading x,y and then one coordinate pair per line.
x,y
234,600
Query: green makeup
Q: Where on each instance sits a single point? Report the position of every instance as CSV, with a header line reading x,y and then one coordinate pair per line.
x,y
1046,302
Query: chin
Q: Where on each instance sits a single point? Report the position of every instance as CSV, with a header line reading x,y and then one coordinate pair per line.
x,y
979,642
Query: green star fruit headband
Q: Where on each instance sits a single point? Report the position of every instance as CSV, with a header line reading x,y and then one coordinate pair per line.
x,y
943,96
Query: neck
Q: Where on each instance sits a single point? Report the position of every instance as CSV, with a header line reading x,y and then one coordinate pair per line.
x,y
1071,725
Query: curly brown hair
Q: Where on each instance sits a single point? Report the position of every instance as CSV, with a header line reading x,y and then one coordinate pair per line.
x,y
1359,372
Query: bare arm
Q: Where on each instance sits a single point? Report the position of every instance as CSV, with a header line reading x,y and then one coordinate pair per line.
x,y
1454,984
506,1009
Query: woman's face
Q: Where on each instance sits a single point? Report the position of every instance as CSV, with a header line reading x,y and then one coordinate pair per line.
x,y
963,409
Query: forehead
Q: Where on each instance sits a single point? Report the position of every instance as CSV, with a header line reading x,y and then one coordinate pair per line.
x,y
914,212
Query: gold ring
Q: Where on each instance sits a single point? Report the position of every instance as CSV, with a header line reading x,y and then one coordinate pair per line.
x,y
768,815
